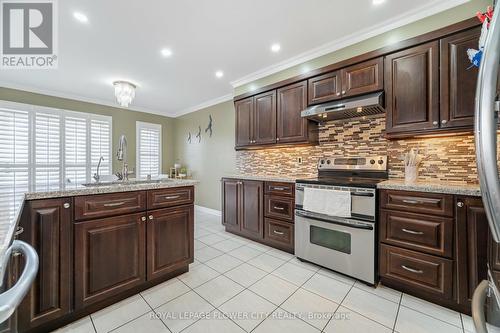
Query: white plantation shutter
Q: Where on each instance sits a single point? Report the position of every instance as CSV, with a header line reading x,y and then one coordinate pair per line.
x,y
148,149
100,145
43,148
14,159
47,151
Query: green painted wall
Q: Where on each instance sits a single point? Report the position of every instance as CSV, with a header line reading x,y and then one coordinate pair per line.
x,y
428,24
124,121
214,157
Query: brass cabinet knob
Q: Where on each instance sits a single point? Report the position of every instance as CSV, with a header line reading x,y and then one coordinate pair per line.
x,y
143,218
66,205
444,121
460,204
435,123
151,217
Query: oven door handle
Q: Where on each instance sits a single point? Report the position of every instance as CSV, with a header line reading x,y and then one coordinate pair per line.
x,y
364,226
363,194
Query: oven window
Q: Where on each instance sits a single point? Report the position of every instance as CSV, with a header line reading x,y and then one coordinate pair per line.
x,y
332,239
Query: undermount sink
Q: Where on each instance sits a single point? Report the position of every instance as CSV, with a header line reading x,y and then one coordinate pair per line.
x,y
127,182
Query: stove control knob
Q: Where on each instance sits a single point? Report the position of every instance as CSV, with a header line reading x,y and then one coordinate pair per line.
x,y
372,161
328,162
322,162
380,161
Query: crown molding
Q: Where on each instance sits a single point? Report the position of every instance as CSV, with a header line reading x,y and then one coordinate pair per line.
x,y
338,44
79,98
204,105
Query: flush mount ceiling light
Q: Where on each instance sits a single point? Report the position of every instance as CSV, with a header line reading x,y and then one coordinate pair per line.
x,y
124,92
276,47
166,53
378,2
81,17
219,74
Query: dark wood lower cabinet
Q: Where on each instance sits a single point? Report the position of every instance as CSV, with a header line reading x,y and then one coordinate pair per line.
x,y
439,258
86,265
109,257
169,245
47,227
244,207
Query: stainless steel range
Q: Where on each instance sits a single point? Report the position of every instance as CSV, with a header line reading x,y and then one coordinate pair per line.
x,y
336,215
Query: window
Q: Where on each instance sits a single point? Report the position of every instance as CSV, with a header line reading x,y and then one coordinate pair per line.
x,y
44,149
148,149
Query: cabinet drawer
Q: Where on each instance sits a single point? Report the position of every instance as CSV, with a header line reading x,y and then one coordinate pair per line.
x,y
284,189
417,271
430,234
279,234
418,202
96,206
279,207
169,197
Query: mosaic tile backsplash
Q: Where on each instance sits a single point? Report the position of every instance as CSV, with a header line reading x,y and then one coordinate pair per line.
x,y
450,158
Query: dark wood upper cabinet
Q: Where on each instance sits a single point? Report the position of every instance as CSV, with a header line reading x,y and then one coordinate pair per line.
x,y
230,204
458,79
325,88
292,100
47,227
412,89
252,212
169,245
472,252
265,118
244,121
363,78
110,257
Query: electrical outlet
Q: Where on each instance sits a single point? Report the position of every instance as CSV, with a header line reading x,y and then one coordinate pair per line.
x,y
299,160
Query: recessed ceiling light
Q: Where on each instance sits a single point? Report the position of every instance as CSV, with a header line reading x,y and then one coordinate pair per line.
x,y
378,2
275,47
166,53
81,17
219,74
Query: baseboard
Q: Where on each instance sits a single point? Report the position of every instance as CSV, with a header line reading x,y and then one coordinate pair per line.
x,y
207,210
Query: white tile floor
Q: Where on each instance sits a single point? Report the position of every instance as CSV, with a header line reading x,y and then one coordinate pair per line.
x,y
236,285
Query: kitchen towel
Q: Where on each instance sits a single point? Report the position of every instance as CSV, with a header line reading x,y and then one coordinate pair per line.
x,y
328,202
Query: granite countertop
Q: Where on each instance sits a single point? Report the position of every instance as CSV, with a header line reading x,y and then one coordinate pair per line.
x,y
432,186
267,178
9,218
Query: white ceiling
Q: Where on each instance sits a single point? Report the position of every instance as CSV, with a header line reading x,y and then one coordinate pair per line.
x,y
123,39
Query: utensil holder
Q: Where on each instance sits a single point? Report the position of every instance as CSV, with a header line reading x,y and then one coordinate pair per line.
x,y
411,174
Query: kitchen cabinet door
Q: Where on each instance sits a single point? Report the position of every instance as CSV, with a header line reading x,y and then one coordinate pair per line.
x,y
109,257
251,209
324,88
458,79
244,122
169,245
292,100
264,126
412,89
231,204
363,78
47,227
472,239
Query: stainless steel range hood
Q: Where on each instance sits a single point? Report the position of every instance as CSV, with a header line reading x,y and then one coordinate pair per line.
x,y
365,105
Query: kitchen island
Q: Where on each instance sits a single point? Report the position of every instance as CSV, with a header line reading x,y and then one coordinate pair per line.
x,y
99,244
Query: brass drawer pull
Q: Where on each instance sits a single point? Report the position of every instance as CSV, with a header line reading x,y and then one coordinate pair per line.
x,y
412,202
416,271
114,204
278,208
278,232
412,232
278,188
172,197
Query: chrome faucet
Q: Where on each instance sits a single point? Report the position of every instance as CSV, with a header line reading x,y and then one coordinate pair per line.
x,y
97,175
121,155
